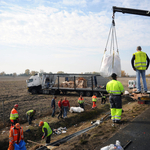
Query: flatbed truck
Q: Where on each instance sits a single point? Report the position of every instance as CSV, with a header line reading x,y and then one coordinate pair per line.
x,y
54,84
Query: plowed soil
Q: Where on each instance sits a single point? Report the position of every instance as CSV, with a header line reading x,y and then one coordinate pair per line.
x,y
14,90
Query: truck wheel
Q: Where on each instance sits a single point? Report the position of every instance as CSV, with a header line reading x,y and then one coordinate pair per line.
x,y
96,94
88,93
52,92
34,91
81,93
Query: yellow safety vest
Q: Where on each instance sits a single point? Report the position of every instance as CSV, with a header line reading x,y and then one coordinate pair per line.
x,y
80,101
114,87
49,131
30,112
94,98
140,60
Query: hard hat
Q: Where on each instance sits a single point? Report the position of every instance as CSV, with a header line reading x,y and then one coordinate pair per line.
x,y
16,105
41,123
17,125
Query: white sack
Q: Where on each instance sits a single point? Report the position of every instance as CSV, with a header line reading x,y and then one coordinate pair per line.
x,y
126,92
110,64
76,109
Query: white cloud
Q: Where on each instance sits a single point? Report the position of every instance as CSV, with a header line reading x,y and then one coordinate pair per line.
x,y
75,2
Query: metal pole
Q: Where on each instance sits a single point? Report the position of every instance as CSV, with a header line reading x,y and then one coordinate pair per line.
x,y
58,82
92,83
74,83
3,114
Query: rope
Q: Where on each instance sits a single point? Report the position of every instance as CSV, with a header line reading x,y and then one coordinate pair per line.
x,y
108,38
112,34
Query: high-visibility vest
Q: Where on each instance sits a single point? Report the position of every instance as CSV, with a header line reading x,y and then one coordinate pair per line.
x,y
80,100
49,131
140,60
13,136
114,87
30,113
13,114
94,98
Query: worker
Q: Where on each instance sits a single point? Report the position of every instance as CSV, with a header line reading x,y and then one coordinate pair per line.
x,y
66,106
94,99
30,114
103,101
47,131
140,63
14,117
15,136
60,108
115,89
81,101
53,106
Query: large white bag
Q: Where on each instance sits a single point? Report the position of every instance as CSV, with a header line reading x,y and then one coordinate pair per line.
x,y
76,109
110,64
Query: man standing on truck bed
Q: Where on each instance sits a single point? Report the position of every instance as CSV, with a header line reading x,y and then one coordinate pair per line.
x,y
66,105
14,115
139,64
115,89
53,106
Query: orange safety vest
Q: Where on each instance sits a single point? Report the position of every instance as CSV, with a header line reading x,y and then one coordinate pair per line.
x,y
13,135
13,114
80,100
94,98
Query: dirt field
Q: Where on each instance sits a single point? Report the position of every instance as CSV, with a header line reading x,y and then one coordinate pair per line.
x,y
14,90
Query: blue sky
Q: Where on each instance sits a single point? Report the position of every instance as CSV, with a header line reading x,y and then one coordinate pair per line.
x,y
68,35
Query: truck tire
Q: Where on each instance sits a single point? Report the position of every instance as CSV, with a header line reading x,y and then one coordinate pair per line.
x,y
96,94
34,91
88,93
52,92
81,93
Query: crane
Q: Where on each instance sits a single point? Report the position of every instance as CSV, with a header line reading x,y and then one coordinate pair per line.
x,y
131,11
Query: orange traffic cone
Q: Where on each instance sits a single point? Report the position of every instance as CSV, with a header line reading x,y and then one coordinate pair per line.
x,y
94,105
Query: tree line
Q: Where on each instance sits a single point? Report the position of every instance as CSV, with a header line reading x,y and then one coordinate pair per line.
x,y
30,73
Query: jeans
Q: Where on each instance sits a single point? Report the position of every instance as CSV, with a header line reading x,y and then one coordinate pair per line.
x,y
142,73
53,113
65,111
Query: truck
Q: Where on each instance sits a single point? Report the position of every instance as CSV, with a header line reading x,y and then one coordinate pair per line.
x,y
55,84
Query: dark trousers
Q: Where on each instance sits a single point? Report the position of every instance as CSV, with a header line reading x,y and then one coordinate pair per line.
x,y
48,139
103,101
29,118
81,105
115,101
53,113
14,122
60,113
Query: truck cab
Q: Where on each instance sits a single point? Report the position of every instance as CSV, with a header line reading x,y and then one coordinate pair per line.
x,y
34,84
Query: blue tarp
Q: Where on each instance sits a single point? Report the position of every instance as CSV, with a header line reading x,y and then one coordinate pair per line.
x,y
20,146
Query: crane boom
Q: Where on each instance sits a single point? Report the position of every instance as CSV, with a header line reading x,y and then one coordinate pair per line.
x,y
131,11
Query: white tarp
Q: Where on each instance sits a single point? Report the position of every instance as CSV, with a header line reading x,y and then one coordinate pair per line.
x,y
110,64
76,109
